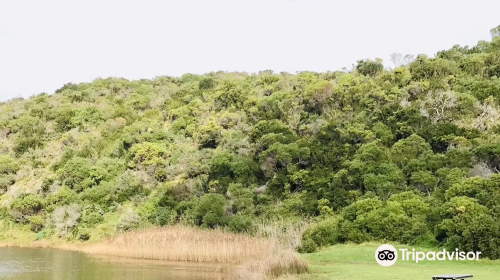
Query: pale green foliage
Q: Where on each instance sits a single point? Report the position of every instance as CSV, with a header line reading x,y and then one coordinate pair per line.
x,y
495,32
65,218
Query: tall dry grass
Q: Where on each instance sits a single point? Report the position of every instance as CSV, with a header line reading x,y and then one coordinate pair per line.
x,y
284,233
251,257
183,243
284,265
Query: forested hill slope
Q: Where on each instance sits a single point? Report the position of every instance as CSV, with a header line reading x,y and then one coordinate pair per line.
x,y
410,155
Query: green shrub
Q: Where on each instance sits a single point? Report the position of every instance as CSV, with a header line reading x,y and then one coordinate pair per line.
x,y
148,154
64,196
91,215
239,223
324,233
141,98
87,116
36,223
100,195
26,206
308,246
8,165
242,199
160,175
369,67
83,234
22,145
29,132
110,168
206,83
128,220
351,232
63,118
164,216
125,187
79,174
469,226
5,182
209,210
361,207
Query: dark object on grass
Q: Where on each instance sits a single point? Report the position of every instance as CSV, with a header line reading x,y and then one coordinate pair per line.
x,y
452,276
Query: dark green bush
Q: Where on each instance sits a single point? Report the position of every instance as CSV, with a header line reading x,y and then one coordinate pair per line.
x,y
5,182
25,206
240,223
163,216
64,196
83,234
63,118
24,144
36,223
80,174
91,215
206,83
369,67
125,187
324,233
209,210
100,194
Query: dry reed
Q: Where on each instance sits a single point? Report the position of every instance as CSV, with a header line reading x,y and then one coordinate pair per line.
x,y
287,234
251,257
284,265
182,243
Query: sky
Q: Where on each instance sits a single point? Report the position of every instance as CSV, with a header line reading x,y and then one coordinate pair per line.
x,y
46,44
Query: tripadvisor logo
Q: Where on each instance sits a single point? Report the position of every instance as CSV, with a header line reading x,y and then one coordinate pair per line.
x,y
387,255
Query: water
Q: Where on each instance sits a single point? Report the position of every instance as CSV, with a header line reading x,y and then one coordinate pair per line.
x,y
45,264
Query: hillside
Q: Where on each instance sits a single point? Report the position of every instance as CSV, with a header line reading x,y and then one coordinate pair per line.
x,y
410,154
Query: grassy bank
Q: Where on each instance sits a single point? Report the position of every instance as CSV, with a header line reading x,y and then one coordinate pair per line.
x,y
349,262
21,238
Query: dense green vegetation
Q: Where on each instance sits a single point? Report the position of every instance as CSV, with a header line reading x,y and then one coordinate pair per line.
x,y
410,154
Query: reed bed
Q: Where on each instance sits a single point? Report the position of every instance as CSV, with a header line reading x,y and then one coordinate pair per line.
x,y
182,243
249,257
284,265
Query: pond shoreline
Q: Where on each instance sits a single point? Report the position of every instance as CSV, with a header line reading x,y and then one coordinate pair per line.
x,y
43,244
237,256
78,247
23,263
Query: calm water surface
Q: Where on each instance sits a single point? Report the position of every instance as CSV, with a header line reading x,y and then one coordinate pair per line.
x,y
44,264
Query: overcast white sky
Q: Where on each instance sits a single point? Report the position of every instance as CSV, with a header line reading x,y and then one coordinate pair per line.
x,y
45,44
